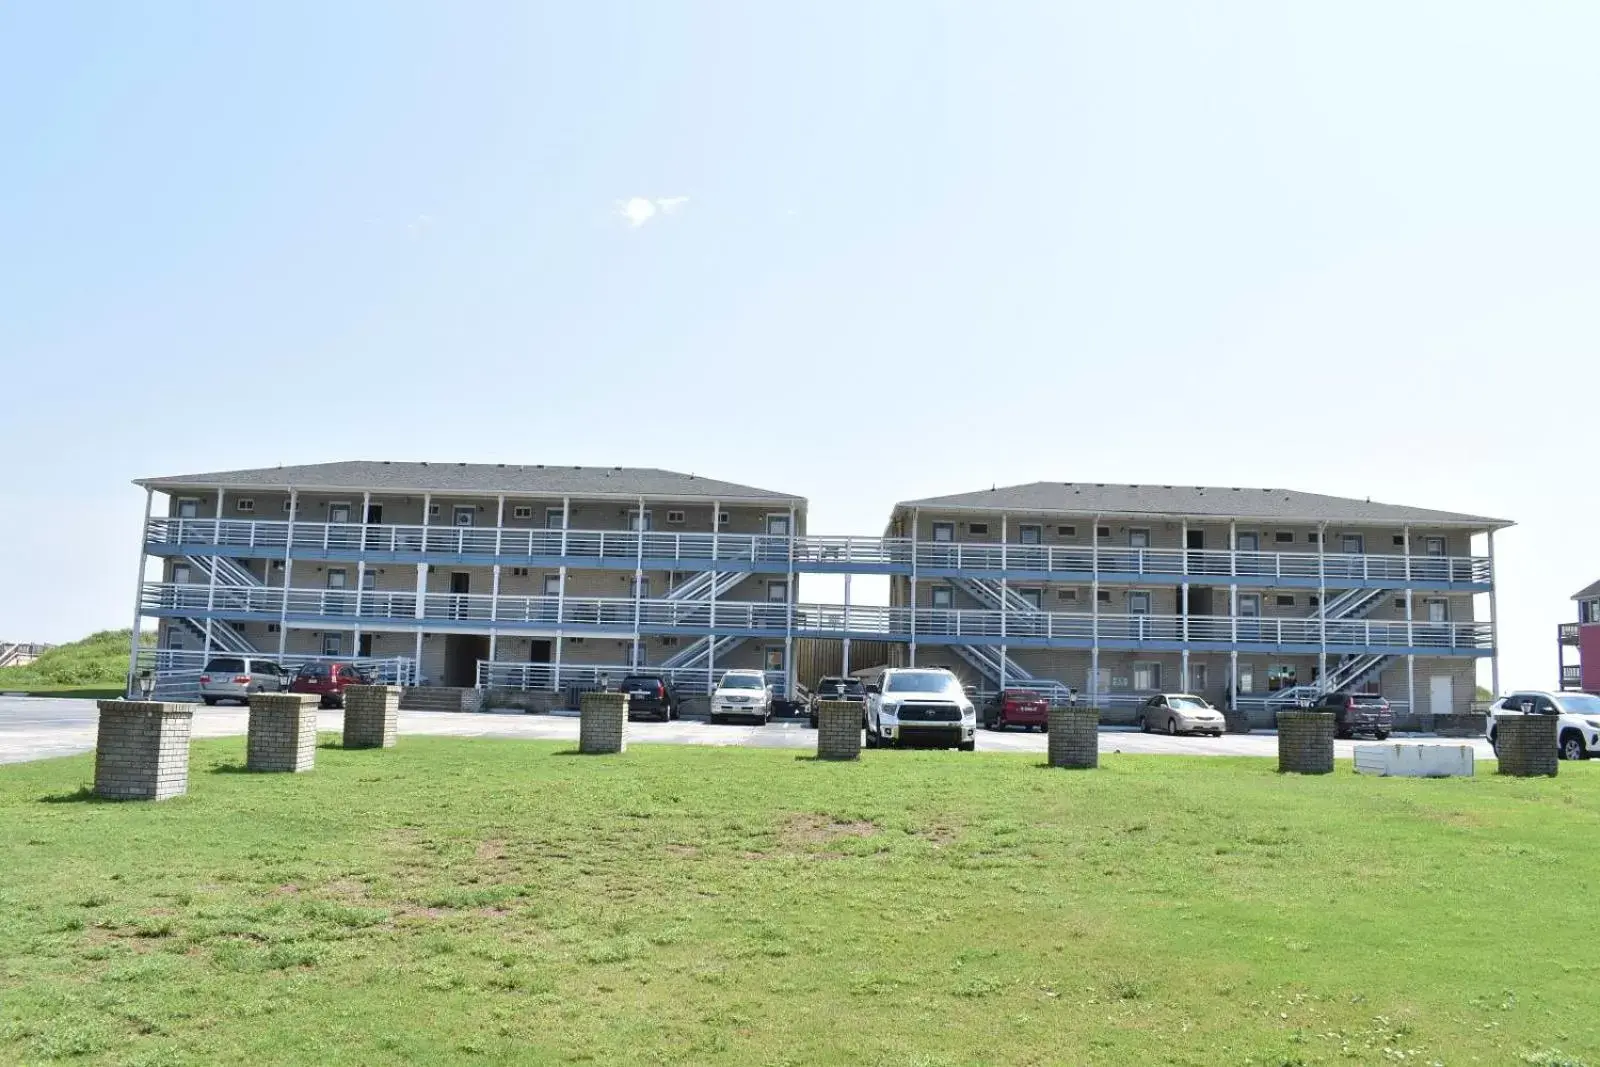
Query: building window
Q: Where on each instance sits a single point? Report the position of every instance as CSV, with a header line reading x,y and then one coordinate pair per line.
x,y
1104,597
639,586
522,511
1283,537
338,512
1066,531
1433,546
1438,609
552,585
519,572
777,526
433,511
1352,544
1247,678
1280,676
943,596
1138,538
777,592
238,627
980,529
272,627
1102,531
1399,540
1250,605
336,578
369,580
552,518
277,564
180,574
675,518
1034,597
465,514
944,531
1067,594
1029,534
331,644
1313,537
1313,601
1147,676
1284,601
188,508
1197,677
245,504
774,658
1399,603
669,642
722,519
1138,603
641,520
574,640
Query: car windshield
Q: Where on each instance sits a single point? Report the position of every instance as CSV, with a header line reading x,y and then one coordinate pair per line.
x,y
641,681
831,686
225,666
1022,694
921,682
1579,704
314,670
1188,703
743,681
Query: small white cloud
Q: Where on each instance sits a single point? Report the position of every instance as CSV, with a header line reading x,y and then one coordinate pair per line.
x,y
639,210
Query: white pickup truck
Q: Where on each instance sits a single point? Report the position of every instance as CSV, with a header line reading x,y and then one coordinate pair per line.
x,y
920,706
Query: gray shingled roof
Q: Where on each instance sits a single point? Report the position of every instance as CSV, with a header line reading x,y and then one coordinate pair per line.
x,y
1194,501
1592,589
479,478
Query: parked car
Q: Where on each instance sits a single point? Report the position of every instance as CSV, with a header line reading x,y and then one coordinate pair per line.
x,y
236,677
328,680
1181,713
649,694
744,694
1577,725
1358,713
836,687
921,706
1026,708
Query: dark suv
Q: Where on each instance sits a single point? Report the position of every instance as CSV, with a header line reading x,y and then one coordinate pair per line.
x,y
836,688
648,694
1357,713
328,680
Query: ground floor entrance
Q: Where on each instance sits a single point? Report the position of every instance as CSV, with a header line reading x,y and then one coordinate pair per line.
x,y
461,655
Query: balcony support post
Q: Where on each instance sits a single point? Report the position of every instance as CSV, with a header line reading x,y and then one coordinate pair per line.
x,y
1411,657
561,586
1233,614
788,615
1005,537
1494,625
845,668
494,601
288,572
1094,613
711,635
422,579
211,588
1183,605
638,580
1322,606
138,601
915,519
361,567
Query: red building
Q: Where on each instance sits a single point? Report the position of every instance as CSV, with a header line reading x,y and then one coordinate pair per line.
x,y
1584,635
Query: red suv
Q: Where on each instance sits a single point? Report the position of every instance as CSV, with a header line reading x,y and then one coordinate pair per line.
x,y
328,680
1017,707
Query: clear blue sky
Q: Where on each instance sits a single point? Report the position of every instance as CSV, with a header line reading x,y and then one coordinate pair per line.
x,y
1350,248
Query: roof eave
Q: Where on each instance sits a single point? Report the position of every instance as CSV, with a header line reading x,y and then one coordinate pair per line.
x,y
1465,522
160,486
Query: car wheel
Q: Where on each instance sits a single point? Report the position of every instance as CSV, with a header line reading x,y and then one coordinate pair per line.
x,y
1572,747
1380,735
211,702
1144,725
1494,744
969,746
1172,727
871,740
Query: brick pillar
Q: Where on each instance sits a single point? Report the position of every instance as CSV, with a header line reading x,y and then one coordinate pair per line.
x,y
371,715
1074,737
1526,745
1305,742
603,722
283,732
142,750
838,729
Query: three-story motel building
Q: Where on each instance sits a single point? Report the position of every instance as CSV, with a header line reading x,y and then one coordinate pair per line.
x,y
536,577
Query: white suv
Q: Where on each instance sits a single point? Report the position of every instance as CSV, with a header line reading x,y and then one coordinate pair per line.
x,y
923,706
742,693
1578,725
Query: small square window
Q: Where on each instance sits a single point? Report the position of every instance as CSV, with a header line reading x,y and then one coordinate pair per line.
x,y
574,640
1066,594
1400,603
1102,531
669,642
519,572
272,627
1283,537
244,504
433,511
286,507
1105,596
1399,540
1285,601
1313,600
978,527
277,564
675,517
1312,537
522,511
1066,531
722,519
238,627
331,644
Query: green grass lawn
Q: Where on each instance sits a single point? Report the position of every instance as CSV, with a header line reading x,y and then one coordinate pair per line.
x,y
96,666
79,692
459,900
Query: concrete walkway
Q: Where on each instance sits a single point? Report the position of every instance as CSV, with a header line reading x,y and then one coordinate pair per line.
x,y
39,727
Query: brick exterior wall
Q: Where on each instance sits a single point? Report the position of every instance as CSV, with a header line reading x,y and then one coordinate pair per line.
x,y
1305,742
371,716
838,730
603,723
1074,739
283,732
1526,745
142,750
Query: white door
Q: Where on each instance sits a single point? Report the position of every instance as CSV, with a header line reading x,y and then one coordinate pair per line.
x,y
1441,694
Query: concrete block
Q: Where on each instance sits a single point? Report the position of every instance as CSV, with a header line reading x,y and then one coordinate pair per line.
x,y
1414,761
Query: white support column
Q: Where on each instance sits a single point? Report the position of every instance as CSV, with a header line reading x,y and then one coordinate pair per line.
x,y
788,624
1322,606
211,589
1233,613
1094,613
422,577
561,589
1494,624
711,637
638,582
845,669
1183,606
915,516
494,602
1005,537
288,572
361,568
138,600
1411,658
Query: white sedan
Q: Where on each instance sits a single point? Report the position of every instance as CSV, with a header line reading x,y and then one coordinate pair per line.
x,y
1181,713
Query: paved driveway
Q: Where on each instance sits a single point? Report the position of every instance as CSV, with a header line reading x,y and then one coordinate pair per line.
x,y
36,728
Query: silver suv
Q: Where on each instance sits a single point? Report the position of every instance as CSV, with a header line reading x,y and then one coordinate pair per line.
x,y
236,677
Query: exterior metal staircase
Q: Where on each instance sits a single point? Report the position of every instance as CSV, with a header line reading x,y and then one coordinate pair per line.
x,y
987,660
696,655
226,571
223,636
699,587
1350,604
1354,670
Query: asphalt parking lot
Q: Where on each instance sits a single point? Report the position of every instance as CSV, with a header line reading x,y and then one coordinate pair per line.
x,y
37,728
